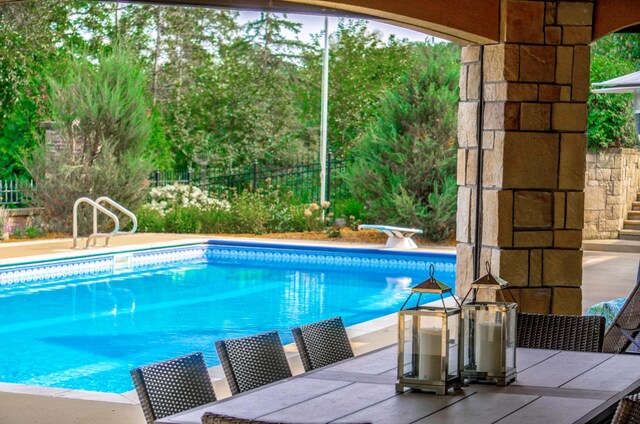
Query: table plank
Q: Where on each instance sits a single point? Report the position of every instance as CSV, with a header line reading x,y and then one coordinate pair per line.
x,y
481,408
334,405
546,410
265,400
559,369
377,362
406,408
616,373
526,358
354,377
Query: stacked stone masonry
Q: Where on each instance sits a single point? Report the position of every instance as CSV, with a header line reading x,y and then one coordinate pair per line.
x,y
611,184
536,84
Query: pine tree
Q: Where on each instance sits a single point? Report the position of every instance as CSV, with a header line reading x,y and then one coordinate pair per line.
x,y
404,172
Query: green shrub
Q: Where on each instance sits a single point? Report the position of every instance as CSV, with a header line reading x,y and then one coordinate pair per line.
x,y
406,158
150,220
348,208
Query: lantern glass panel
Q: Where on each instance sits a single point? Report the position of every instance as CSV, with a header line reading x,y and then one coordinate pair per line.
x,y
453,325
422,343
489,341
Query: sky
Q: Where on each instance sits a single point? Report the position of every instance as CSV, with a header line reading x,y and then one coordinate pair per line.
x,y
314,24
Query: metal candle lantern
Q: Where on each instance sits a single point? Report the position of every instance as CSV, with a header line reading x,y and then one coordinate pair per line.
x,y
428,342
488,335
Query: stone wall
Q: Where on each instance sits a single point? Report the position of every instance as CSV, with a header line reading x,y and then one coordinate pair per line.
x,y
21,217
611,184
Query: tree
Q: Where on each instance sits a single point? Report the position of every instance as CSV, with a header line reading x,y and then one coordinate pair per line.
x,y
610,121
29,51
404,171
100,112
361,68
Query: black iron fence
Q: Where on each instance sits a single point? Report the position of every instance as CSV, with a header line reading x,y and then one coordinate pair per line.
x,y
302,179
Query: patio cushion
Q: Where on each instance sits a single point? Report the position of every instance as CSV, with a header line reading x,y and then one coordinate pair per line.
x,y
608,309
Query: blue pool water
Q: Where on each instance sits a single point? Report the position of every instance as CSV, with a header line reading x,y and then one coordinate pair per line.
x,y
88,332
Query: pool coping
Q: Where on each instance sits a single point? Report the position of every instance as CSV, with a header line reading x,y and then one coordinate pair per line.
x,y
282,243
365,336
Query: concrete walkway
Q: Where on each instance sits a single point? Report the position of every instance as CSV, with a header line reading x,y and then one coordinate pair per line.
x,y
608,272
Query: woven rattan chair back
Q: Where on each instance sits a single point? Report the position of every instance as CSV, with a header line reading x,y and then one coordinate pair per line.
x,y
628,411
625,328
563,332
173,386
322,343
253,361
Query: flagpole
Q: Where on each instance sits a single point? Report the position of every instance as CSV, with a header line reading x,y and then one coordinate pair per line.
x,y
325,114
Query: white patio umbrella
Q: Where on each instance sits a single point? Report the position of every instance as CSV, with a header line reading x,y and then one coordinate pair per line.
x,y
629,83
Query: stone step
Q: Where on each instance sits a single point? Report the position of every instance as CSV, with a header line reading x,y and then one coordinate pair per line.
x,y
631,225
635,206
629,235
633,215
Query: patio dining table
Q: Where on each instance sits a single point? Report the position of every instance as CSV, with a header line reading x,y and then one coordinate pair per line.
x,y
553,387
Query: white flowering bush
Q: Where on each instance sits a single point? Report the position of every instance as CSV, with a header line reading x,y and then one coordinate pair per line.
x,y
167,198
187,209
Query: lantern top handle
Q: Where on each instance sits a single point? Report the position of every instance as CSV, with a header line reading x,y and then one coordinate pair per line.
x,y
431,285
489,281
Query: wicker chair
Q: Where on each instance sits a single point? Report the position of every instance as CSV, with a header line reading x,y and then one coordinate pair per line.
x,y
322,343
628,411
173,386
563,332
623,335
253,361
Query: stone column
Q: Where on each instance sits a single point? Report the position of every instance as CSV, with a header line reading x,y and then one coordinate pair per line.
x,y
536,84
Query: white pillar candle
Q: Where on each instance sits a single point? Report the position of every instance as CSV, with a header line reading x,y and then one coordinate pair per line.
x,y
488,347
430,360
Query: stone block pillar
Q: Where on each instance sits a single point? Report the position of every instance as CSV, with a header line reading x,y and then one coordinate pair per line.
x,y
530,133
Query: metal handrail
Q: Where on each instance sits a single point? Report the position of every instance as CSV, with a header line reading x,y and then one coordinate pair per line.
x,y
119,207
96,207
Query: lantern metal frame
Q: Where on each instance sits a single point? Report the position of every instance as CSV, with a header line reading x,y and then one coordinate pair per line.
x,y
469,311
447,380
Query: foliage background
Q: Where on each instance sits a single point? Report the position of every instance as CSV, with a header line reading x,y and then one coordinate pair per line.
x,y
610,122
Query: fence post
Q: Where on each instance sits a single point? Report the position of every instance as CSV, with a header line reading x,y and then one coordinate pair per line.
x,y
255,175
188,176
157,177
328,193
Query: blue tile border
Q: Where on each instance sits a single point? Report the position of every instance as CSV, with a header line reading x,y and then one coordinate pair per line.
x,y
167,256
345,259
53,270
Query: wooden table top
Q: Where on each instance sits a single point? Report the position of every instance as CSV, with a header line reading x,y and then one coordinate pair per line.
x,y
553,387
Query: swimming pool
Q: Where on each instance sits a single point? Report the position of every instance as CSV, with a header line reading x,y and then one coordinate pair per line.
x,y
84,323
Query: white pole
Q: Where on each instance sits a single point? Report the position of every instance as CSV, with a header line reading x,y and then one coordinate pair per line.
x,y
323,123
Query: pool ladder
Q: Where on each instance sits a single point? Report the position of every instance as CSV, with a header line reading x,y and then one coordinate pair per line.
x,y
97,206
